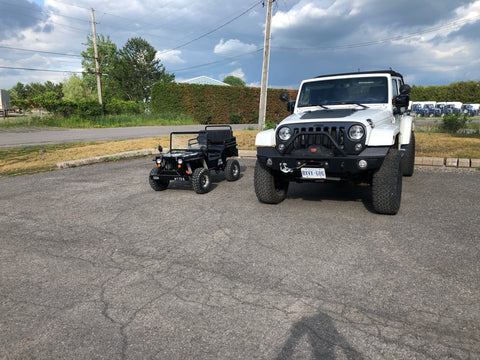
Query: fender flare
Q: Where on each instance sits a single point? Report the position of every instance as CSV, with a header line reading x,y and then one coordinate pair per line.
x,y
383,135
407,125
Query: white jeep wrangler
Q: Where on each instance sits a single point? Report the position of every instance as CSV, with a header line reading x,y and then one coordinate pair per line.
x,y
342,127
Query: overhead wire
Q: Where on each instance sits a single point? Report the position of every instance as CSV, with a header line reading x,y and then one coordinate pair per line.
x,y
39,51
48,21
320,47
212,31
218,61
47,70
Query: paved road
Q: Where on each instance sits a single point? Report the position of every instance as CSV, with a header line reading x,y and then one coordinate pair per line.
x,y
37,136
95,264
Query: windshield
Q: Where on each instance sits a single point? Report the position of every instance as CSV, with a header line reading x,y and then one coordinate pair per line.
x,y
187,141
360,90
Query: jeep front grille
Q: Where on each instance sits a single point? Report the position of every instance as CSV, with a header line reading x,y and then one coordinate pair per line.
x,y
318,135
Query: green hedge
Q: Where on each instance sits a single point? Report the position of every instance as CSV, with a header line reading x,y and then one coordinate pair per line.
x,y
81,108
211,104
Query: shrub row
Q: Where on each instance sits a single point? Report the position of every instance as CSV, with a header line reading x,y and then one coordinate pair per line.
x,y
81,108
211,104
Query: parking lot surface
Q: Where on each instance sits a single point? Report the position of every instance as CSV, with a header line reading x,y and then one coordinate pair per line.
x,y
95,264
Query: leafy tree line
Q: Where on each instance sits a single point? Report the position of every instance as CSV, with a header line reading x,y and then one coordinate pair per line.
x,y
467,92
127,74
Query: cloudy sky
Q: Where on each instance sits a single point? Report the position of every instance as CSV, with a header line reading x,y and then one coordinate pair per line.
x,y
431,42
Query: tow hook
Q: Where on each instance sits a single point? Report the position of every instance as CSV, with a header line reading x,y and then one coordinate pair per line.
x,y
284,168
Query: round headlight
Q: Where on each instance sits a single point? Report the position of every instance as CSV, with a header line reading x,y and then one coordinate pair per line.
x,y
284,133
356,132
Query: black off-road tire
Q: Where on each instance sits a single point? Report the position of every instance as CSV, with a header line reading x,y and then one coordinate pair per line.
x,y
232,170
269,188
201,180
387,184
408,160
157,185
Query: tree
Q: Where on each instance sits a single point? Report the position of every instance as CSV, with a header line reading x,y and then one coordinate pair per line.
x,y
234,81
138,68
18,92
108,58
74,89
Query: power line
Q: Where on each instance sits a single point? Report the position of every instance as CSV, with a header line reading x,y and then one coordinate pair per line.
x,y
47,70
47,21
39,51
217,61
381,41
212,31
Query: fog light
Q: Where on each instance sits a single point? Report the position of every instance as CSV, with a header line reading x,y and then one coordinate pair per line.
x,y
358,147
362,164
281,147
269,162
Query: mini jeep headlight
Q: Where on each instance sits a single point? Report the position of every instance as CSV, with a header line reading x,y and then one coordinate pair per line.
x,y
284,133
356,132
180,161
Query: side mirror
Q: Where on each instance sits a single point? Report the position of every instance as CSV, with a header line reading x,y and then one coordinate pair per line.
x,y
401,103
160,149
405,89
291,106
284,96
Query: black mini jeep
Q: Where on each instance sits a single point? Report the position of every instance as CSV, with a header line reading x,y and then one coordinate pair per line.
x,y
193,154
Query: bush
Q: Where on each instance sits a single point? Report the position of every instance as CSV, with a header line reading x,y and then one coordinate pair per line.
x,y
454,122
118,107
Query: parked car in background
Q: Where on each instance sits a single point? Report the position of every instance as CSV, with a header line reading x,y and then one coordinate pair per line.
x,y
453,107
471,109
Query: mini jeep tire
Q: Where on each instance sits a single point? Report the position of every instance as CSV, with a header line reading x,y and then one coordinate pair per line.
x,y
201,180
387,184
232,170
270,189
157,185
408,160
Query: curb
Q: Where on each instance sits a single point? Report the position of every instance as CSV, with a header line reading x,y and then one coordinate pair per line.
x,y
436,162
105,158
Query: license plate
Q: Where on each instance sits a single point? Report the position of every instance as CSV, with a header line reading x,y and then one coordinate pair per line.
x,y
313,173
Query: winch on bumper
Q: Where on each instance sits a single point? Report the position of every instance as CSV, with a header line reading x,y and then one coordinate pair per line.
x,y
322,151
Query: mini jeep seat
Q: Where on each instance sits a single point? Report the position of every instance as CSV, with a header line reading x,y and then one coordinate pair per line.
x,y
218,137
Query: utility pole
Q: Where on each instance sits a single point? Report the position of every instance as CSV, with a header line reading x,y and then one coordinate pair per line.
x,y
97,65
266,56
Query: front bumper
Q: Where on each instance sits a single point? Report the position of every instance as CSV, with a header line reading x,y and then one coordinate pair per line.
x,y
336,166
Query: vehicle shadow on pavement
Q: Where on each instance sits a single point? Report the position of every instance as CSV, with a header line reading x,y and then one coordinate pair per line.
x,y
214,177
322,336
335,191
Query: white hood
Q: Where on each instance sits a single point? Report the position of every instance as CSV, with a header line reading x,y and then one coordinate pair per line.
x,y
377,116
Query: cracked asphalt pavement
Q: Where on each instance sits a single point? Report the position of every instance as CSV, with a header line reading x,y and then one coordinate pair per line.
x,y
95,264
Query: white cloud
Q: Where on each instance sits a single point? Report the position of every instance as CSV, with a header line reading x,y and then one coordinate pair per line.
x,y
170,57
238,73
233,47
